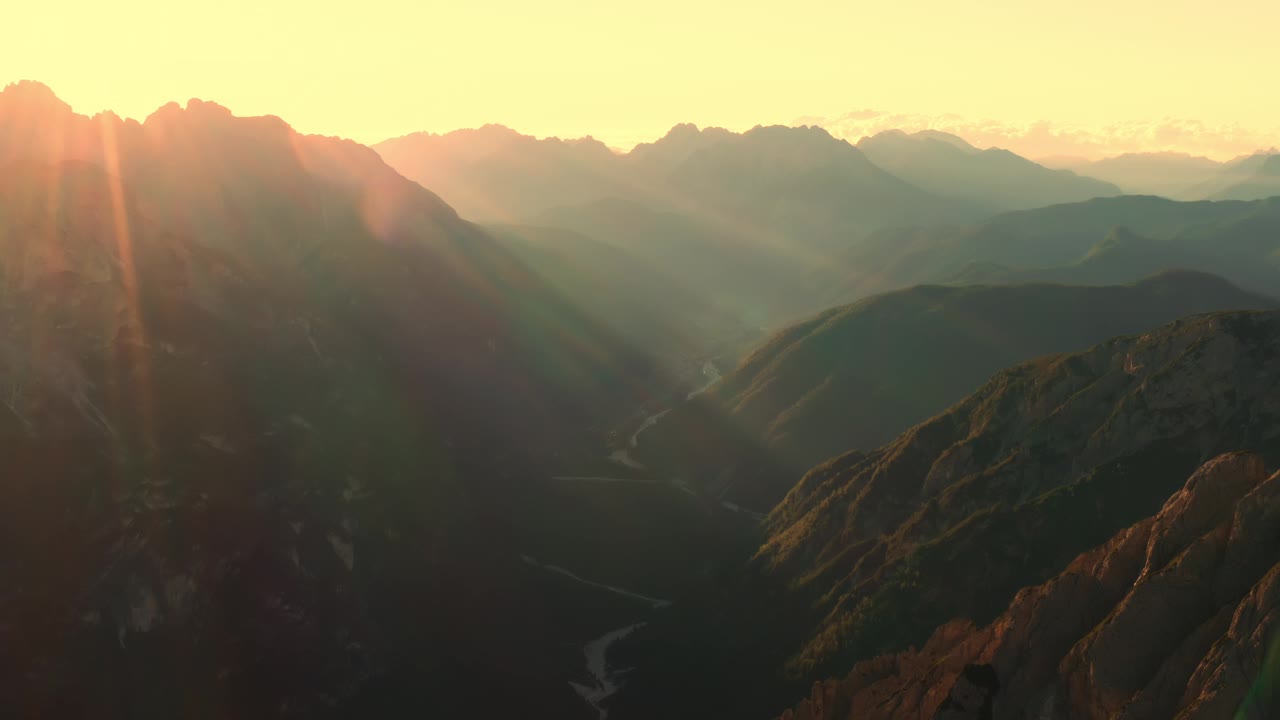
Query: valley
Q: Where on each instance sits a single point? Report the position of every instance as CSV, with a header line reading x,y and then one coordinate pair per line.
x,y
769,423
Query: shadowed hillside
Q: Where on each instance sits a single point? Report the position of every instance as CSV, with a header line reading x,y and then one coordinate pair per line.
x,y
873,550
268,411
854,377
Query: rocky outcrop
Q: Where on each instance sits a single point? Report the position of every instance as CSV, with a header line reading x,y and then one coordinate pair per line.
x,y
1002,490
1172,617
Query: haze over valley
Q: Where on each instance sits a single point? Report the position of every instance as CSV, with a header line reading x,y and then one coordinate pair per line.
x,y
457,411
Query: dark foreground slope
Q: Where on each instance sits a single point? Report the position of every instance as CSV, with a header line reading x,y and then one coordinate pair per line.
x,y
873,550
854,377
1174,616
268,409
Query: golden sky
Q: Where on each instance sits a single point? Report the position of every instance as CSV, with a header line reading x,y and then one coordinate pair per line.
x,y
626,72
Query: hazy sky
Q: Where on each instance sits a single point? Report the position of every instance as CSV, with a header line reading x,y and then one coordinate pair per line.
x,y
627,72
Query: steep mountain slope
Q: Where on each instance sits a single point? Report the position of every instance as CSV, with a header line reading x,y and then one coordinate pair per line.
x,y
1054,452
1167,174
1173,616
268,411
873,550
854,377
995,178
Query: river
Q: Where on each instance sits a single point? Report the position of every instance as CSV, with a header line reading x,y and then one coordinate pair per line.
x,y
622,456
605,681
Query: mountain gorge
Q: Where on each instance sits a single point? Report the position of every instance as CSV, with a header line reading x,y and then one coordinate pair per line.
x,y
874,549
731,425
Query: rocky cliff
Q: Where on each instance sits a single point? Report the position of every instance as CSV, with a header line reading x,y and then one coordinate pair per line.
x,y
1046,460
1174,616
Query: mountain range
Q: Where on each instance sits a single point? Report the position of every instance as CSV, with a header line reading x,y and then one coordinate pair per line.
x,y
1105,240
731,425
947,165
749,219
1257,177
1184,177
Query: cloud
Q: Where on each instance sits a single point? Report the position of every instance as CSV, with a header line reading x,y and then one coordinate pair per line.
x,y
1044,138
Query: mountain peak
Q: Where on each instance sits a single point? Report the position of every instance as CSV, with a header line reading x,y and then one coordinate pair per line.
x,y
686,135
946,137
32,95
682,130
892,133
205,107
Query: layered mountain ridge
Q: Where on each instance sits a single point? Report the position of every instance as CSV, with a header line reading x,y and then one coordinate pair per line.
x,y
854,377
947,165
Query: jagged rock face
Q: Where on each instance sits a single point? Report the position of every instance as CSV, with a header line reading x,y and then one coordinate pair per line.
x,y
1003,489
1172,617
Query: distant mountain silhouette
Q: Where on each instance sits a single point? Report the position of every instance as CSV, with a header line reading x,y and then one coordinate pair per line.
x,y
947,165
681,141
1262,182
853,377
1167,174
802,187
1065,243
1232,173
758,211
495,174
